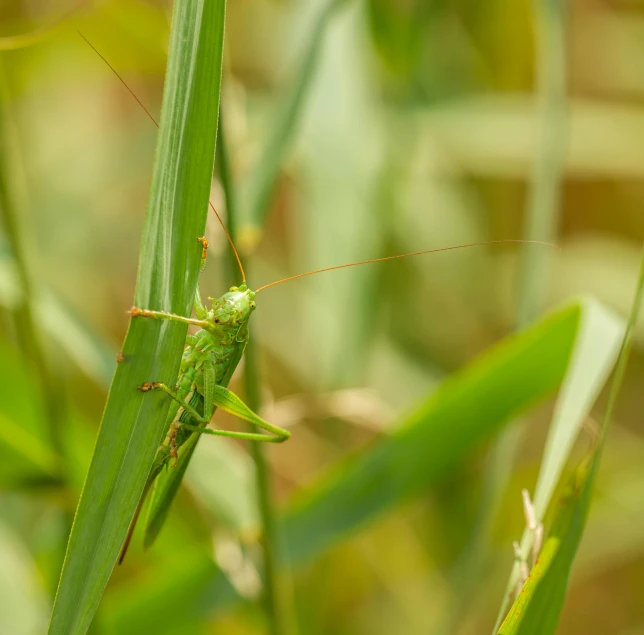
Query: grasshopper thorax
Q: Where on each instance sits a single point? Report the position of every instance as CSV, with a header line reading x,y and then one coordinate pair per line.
x,y
233,308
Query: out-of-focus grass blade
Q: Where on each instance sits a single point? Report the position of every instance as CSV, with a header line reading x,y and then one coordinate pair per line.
x,y
221,478
474,132
468,408
92,354
133,423
23,602
28,447
259,189
13,208
23,40
26,452
165,601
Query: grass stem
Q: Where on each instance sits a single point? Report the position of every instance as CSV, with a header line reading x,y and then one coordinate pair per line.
x,y
277,591
224,169
285,123
277,595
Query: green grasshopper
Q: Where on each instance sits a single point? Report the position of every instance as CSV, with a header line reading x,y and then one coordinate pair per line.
x,y
209,360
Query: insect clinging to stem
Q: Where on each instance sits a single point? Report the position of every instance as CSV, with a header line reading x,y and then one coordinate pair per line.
x,y
210,358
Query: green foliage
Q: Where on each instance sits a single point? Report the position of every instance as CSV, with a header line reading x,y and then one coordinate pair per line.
x,y
440,432
405,126
170,254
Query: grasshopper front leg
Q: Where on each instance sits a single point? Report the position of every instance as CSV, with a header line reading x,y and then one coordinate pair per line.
x,y
200,309
135,312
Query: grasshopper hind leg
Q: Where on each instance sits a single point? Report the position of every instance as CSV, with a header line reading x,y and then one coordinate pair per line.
x,y
281,435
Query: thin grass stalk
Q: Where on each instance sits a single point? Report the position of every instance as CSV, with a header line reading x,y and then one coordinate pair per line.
x,y
277,596
278,601
13,205
545,193
284,127
224,170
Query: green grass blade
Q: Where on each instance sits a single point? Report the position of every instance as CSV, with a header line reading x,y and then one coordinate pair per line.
x,y
27,454
221,477
277,593
133,423
84,345
13,207
262,180
598,340
24,601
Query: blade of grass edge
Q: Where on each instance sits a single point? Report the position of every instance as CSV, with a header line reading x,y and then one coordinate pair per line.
x,y
543,595
133,423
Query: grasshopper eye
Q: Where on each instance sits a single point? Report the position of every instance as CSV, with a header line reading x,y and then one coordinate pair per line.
x,y
233,289
253,306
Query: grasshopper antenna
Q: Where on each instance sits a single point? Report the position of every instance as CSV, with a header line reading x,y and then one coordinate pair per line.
x,y
154,121
414,253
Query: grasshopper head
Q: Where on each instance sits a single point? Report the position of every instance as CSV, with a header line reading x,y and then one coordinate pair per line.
x,y
234,307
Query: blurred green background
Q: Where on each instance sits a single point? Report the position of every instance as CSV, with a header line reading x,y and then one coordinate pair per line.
x,y
420,129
